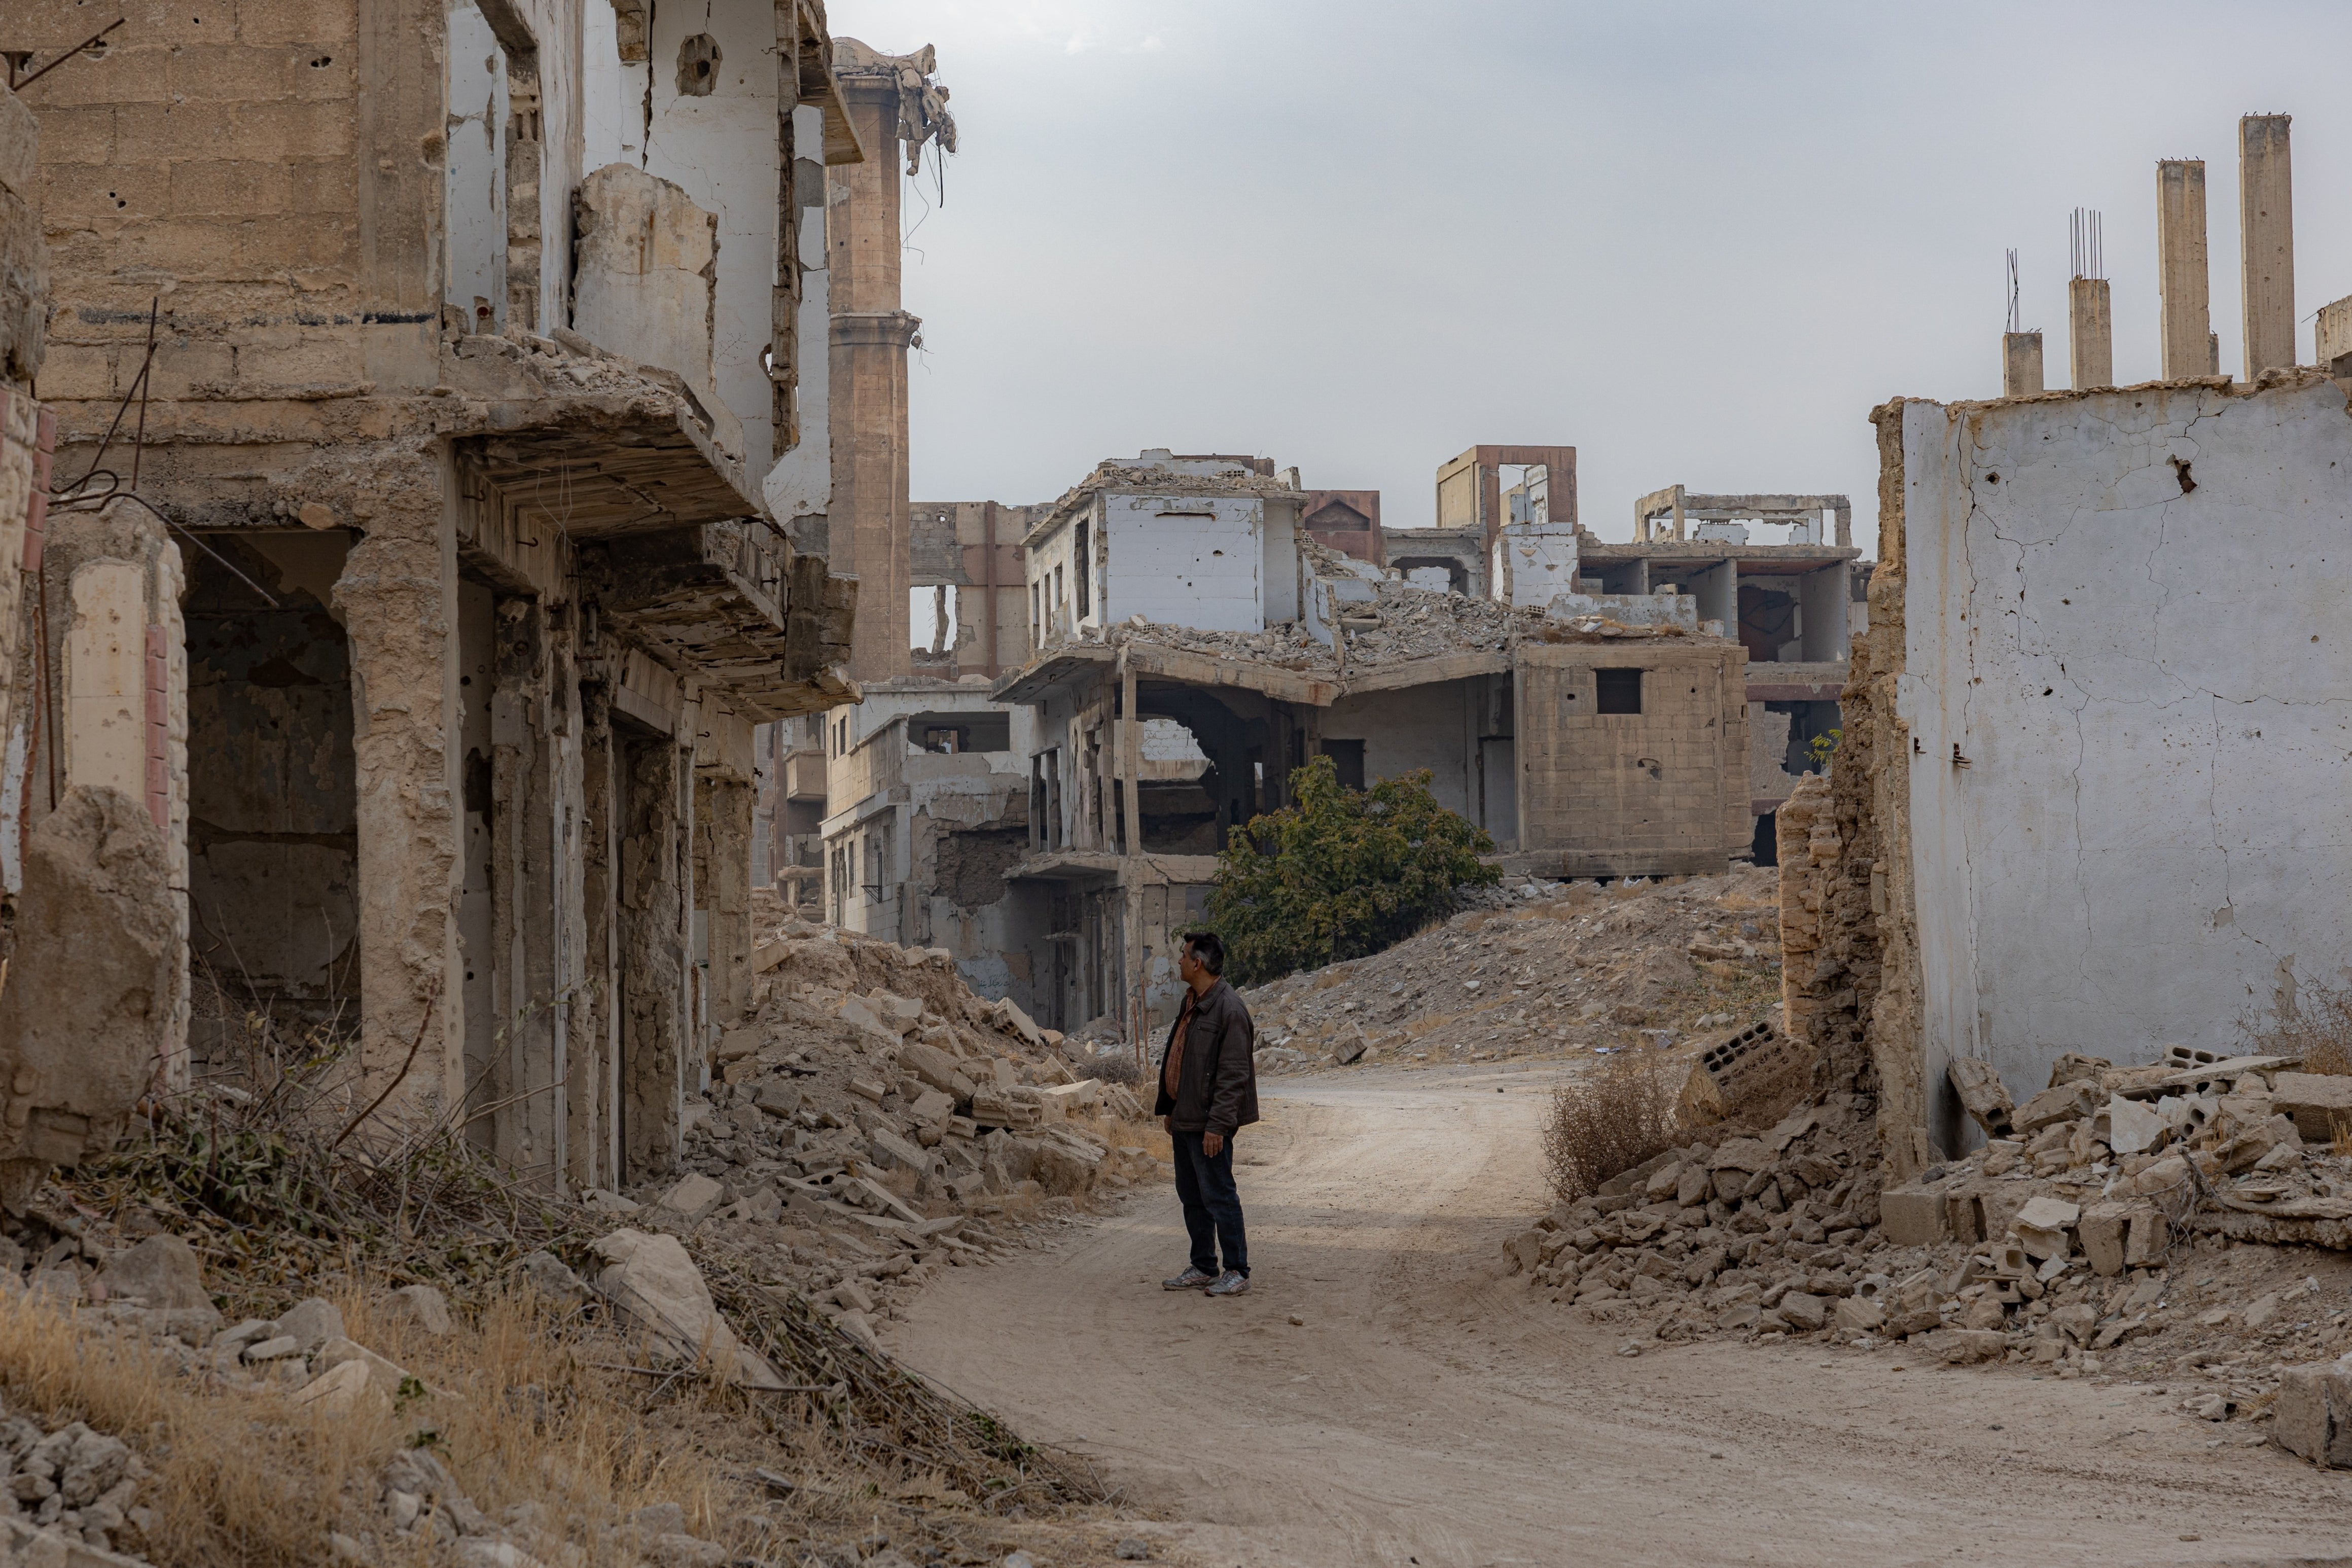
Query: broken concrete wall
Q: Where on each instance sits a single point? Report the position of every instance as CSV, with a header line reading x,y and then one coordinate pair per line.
x,y
647,282
24,253
2119,710
1832,891
86,1020
113,697
1653,781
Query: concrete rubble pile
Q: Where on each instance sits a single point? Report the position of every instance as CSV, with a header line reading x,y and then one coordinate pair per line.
x,y
1734,1232
2130,1223
1402,623
870,1117
1561,967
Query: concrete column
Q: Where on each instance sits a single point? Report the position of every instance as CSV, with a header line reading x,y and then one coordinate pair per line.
x,y
2266,241
398,596
2181,275
2091,335
866,385
2020,363
1821,598
594,1083
527,902
724,812
653,954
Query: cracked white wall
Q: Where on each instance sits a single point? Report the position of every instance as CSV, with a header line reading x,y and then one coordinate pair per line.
x,y
2125,617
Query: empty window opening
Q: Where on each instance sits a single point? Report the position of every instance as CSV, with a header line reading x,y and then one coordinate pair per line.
x,y
1347,760
931,619
1083,560
1617,690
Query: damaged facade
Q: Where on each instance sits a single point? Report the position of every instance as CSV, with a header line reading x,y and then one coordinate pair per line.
x,y
2074,711
475,332
1194,649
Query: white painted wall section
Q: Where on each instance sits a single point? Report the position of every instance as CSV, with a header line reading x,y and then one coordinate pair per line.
x,y
2150,686
1191,560
475,179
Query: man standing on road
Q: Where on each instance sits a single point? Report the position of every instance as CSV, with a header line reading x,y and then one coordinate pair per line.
x,y
1208,1092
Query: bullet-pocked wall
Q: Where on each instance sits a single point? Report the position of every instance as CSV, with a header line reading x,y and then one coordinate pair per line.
x,y
2127,702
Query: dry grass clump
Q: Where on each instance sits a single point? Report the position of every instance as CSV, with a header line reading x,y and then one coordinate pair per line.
x,y
240,1477
1608,1120
2315,1024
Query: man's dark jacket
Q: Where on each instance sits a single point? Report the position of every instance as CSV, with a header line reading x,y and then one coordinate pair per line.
x,y
1216,1082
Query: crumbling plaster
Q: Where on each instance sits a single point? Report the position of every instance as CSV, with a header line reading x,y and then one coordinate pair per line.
x,y
2125,691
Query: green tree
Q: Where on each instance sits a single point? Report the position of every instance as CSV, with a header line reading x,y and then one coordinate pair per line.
x,y
1340,873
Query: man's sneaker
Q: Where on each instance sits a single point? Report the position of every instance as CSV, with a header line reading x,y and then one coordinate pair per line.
x,y
1190,1279
1230,1284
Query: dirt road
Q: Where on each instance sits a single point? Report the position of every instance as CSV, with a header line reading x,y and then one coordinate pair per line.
x,y
1430,1411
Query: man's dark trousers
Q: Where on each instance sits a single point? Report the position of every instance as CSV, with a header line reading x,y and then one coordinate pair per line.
x,y
1213,1205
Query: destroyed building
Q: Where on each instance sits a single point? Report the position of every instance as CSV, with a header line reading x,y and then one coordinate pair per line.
x,y
2077,804
1194,650
1795,604
454,348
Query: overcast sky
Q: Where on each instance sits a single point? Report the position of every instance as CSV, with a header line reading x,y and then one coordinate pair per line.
x,y
1695,242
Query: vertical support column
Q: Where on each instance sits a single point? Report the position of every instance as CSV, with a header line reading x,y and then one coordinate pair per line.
x,y
2182,271
2020,363
725,805
1822,598
526,899
398,596
1130,1005
653,955
592,1153
867,384
2266,241
2090,334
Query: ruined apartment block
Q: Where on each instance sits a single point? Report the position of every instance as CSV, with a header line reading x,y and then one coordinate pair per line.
x,y
476,337
1195,647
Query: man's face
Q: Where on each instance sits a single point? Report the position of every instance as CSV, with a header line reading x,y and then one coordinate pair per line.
x,y
1187,966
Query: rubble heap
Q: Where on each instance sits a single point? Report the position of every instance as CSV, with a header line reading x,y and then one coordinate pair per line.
x,y
1402,623
871,1119
1562,967
2126,1222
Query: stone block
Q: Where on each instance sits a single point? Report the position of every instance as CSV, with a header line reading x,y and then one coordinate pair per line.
x,y
312,1323
2312,1417
777,1098
1064,1101
1983,1095
1911,1217
1694,1185
2103,1230
892,1151
162,1272
654,1286
1961,1346
2042,1225
1858,1315
931,1106
420,1306
2320,1103
2149,1240
1803,1311
2066,1102
689,1202
1963,1215
1524,1250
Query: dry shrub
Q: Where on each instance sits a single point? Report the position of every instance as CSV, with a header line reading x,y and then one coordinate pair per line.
x,y
2315,1024
1607,1120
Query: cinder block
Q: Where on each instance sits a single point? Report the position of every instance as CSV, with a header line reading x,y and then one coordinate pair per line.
x,y
2104,1231
1911,1217
2313,1415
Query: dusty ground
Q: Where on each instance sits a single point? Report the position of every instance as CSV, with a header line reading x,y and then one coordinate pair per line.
x,y
1430,1412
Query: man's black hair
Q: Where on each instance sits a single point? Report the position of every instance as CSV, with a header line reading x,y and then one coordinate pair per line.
x,y
1207,950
